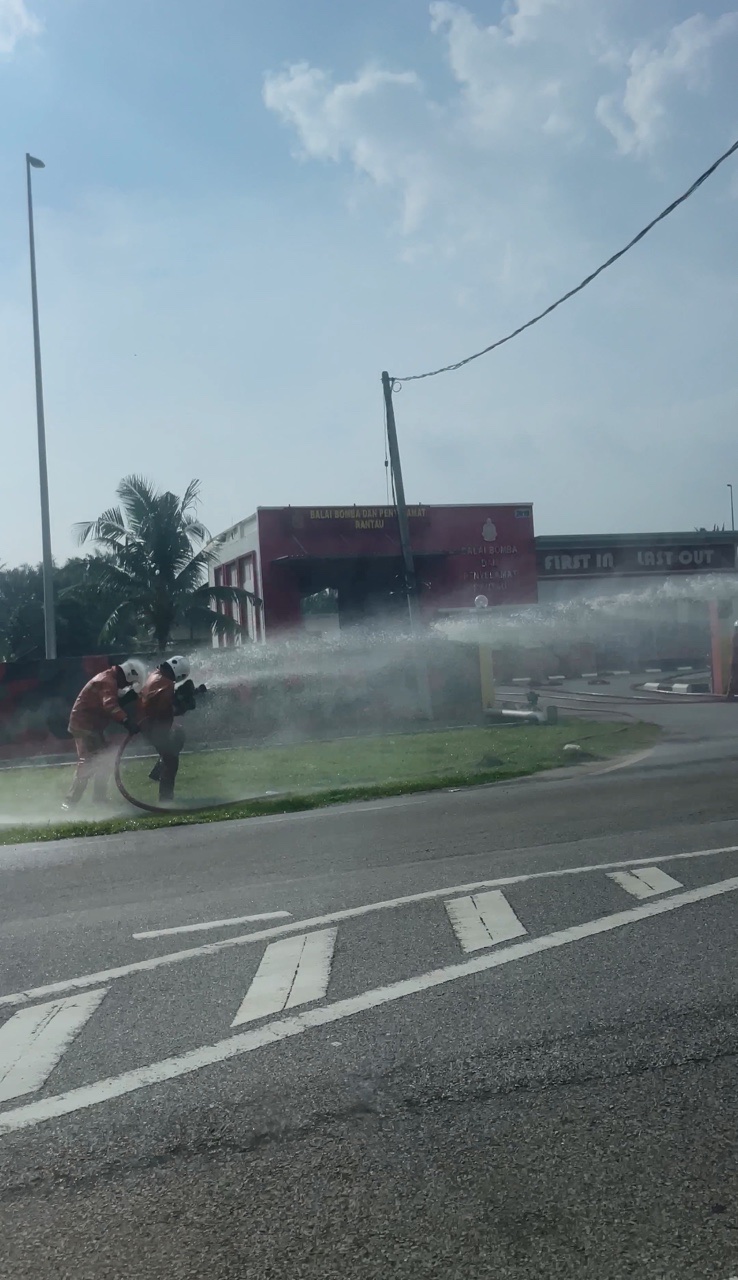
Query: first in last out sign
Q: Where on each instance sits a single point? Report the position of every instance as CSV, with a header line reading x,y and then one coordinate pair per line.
x,y
576,561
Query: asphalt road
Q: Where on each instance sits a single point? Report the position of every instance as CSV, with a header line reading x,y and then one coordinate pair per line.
x,y
493,1034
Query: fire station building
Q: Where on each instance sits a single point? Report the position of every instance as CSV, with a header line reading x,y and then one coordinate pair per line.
x,y
298,558
328,567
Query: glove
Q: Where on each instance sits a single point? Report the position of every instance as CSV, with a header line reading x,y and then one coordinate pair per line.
x,y
130,726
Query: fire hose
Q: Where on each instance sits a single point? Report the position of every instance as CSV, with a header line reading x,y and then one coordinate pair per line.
x,y
164,810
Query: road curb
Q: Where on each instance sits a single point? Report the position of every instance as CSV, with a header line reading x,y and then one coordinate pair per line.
x,y
681,688
592,770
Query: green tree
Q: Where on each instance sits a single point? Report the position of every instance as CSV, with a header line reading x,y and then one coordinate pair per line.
x,y
82,609
153,556
21,613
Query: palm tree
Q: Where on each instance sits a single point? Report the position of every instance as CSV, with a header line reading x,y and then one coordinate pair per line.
x,y
154,555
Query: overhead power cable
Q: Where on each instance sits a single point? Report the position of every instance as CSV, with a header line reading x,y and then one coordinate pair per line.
x,y
459,364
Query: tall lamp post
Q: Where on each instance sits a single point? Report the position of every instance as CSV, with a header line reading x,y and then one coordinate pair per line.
x,y
732,512
43,479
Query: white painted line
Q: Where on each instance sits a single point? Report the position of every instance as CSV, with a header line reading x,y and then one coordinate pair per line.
x,y
213,924
646,882
333,917
293,971
628,762
35,1113
621,673
589,675
34,1039
483,920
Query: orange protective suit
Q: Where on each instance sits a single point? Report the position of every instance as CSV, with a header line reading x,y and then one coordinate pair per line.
x,y
157,706
95,708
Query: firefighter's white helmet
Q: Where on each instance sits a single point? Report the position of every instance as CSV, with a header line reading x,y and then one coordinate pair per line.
x,y
179,666
134,672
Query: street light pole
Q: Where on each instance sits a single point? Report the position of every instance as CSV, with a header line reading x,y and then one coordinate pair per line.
x,y
732,512
43,479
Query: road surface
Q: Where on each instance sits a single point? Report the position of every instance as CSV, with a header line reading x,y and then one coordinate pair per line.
x,y
473,1034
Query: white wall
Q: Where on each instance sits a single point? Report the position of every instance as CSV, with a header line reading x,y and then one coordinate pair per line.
x,y
241,539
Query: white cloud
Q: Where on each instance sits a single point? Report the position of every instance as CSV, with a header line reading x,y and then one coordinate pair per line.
x,y
538,81
512,77
521,21
358,120
521,16
16,22
392,130
508,171
638,116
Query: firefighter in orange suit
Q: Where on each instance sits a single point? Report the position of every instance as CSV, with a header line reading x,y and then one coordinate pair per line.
x,y
167,693
98,705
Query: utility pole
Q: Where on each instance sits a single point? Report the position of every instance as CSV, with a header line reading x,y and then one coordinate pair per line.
x,y
43,479
732,512
411,583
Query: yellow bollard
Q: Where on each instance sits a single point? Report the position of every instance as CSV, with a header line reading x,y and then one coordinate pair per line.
x,y
486,677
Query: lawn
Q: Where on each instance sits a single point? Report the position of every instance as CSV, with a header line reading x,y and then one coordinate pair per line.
x,y
276,779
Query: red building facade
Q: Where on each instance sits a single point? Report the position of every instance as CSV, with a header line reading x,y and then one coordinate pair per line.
x,y
287,554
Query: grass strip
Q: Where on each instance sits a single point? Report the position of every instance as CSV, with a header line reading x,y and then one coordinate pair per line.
x,y
310,775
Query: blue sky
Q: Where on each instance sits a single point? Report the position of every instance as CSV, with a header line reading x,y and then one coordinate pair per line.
x,y
249,211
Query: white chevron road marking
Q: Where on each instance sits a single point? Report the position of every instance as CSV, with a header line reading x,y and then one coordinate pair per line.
x,y
646,882
293,971
34,1113
334,917
483,919
34,1039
